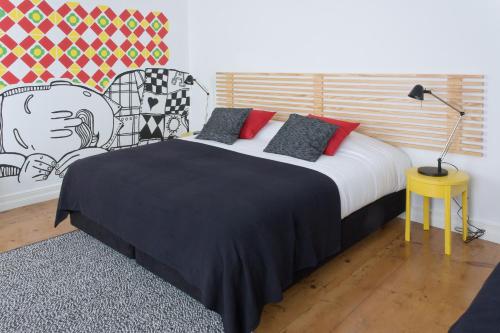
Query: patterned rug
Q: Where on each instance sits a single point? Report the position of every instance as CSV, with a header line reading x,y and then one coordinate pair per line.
x,y
74,283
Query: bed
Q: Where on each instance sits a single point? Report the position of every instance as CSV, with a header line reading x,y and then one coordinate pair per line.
x,y
231,225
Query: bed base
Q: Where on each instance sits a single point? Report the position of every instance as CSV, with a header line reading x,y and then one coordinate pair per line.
x,y
354,228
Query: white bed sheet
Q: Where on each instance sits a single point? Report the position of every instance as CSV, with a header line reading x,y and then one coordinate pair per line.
x,y
364,169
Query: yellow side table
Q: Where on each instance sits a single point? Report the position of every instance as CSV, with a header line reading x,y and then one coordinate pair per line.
x,y
457,182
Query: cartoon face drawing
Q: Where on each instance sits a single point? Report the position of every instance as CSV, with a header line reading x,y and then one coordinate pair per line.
x,y
55,119
45,128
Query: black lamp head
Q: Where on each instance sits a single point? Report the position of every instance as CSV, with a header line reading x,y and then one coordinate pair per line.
x,y
189,80
418,92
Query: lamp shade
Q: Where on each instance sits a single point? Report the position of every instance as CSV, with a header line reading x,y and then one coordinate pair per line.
x,y
417,92
189,80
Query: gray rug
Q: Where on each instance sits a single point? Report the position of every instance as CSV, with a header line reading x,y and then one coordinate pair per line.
x,y
74,283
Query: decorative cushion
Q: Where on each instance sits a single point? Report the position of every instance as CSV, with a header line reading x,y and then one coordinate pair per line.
x,y
344,129
301,137
254,123
224,125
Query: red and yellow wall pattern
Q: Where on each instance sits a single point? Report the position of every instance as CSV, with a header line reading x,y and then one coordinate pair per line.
x,y
90,46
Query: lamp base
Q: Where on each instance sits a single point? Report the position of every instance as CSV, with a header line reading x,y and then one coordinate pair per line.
x,y
432,171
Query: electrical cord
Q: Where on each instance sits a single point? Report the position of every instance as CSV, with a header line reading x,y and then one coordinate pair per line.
x,y
473,232
453,165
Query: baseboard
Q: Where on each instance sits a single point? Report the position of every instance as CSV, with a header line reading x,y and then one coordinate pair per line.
x,y
28,197
437,220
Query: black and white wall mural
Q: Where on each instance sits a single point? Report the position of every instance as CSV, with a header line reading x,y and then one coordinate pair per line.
x,y
45,128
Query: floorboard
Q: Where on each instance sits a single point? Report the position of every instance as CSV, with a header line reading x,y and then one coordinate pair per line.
x,y
381,284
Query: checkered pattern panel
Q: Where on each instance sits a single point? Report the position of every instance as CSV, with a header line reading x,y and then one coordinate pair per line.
x,y
177,102
153,126
127,90
41,40
157,80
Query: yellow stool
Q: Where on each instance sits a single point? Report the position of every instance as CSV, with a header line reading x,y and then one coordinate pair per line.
x,y
447,187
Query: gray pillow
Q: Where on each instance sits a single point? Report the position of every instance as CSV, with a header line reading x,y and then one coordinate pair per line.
x,y
302,137
224,125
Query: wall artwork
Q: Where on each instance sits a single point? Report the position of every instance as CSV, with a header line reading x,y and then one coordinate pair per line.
x,y
39,42
71,85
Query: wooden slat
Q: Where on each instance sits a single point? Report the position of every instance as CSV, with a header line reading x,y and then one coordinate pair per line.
x,y
271,97
274,79
469,94
340,92
397,90
477,132
405,101
403,82
281,110
366,75
378,101
429,141
268,103
358,81
416,114
392,102
383,106
263,88
341,113
263,94
409,128
423,147
369,129
413,114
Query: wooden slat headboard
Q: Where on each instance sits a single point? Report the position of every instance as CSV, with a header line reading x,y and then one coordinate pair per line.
x,y
379,102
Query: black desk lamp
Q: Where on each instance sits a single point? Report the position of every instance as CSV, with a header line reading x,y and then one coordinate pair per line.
x,y
418,93
190,80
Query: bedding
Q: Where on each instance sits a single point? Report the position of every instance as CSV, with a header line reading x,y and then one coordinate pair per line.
x,y
344,129
223,221
224,125
301,137
365,169
233,267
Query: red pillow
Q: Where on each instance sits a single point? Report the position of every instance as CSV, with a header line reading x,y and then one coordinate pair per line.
x,y
253,124
343,130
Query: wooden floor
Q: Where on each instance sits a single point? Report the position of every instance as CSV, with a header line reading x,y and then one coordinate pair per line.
x,y
382,284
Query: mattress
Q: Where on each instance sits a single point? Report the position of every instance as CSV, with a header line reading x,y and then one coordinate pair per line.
x,y
365,169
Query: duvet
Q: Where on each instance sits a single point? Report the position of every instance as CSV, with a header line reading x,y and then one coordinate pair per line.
x,y
238,228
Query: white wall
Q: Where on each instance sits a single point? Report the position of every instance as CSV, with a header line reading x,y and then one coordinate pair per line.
x,y
13,193
384,36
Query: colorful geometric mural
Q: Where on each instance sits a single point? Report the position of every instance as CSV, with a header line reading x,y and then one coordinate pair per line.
x,y
39,42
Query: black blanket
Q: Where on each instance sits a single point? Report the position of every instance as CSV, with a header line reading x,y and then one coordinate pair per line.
x,y
234,226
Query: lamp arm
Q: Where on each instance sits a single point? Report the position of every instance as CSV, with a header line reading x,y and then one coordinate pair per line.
x,y
445,102
206,109
202,87
450,139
